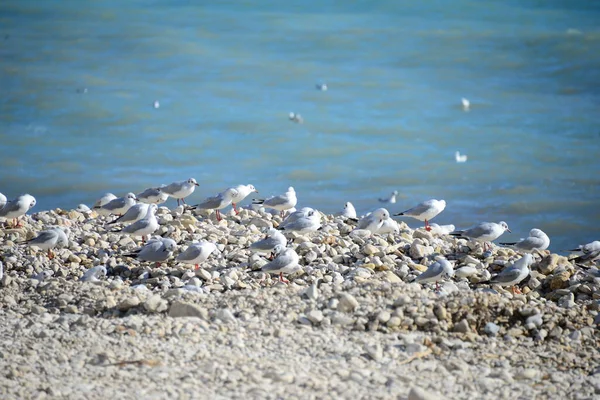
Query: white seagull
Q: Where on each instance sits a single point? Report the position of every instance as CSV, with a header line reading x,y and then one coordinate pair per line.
x,y
218,202
197,253
425,211
134,214
537,241
484,232
440,269
118,206
106,197
267,245
145,226
391,199
348,211
50,239
17,208
280,203
285,262
513,274
310,222
590,252
152,196
373,221
180,190
242,192
460,158
466,104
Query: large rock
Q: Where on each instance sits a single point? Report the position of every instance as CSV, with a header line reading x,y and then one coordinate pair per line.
x,y
184,309
156,304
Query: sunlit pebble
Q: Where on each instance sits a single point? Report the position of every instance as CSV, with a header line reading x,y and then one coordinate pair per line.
x,y
156,104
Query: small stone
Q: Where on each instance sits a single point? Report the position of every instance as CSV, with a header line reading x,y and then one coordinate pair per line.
x,y
528,373
374,351
462,326
560,280
394,322
348,303
315,316
128,303
156,304
226,315
369,250
491,329
421,394
392,277
534,321
312,292
184,309
418,251
440,312
203,274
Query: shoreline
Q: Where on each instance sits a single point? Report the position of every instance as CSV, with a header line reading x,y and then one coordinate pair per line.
x,y
349,324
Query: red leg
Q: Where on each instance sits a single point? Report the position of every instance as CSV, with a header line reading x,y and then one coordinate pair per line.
x,y
50,254
437,286
281,213
197,266
272,256
235,209
281,279
218,215
183,201
427,227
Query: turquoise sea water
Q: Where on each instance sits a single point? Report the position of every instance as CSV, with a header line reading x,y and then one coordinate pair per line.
x,y
78,81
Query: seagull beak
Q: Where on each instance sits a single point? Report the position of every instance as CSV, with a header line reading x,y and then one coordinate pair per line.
x,y
197,184
509,230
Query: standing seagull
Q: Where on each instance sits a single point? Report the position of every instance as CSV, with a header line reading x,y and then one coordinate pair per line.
x,y
197,253
273,239
281,203
514,274
145,226
17,208
242,192
180,190
537,241
49,239
391,199
118,206
218,202
440,269
286,261
425,211
484,232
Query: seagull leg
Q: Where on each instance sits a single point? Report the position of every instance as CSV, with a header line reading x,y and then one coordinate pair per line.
x,y
281,213
218,215
437,286
183,201
50,254
427,227
197,266
235,209
271,257
281,279
516,290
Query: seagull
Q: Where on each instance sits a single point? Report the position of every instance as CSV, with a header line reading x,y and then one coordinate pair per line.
x,y
322,87
373,221
17,208
156,250
425,211
310,222
197,253
268,244
94,274
286,261
281,203
218,202
180,190
106,197
484,232
440,269
591,252
49,239
537,241
466,104
460,158
348,211
242,192
296,215
152,196
3,200
118,206
145,226
513,274
82,208
297,118
134,214
391,199
441,229
388,226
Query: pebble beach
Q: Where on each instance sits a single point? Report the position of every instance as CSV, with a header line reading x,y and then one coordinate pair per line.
x,y
351,323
